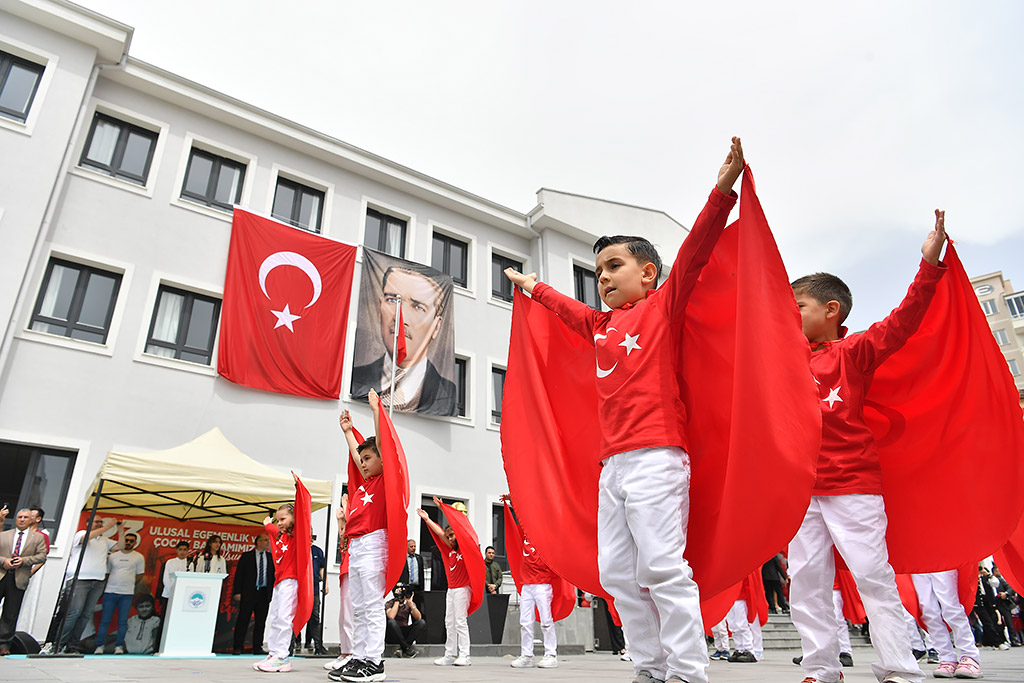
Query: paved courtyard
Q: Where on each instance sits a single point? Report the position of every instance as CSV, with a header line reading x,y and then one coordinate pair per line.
x,y
1005,666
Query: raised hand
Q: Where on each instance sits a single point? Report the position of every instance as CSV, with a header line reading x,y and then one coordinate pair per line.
x,y
423,515
519,280
345,421
374,400
732,168
932,247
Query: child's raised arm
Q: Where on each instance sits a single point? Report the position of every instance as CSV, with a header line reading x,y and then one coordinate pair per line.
x,y
932,247
433,526
519,280
732,168
374,400
345,421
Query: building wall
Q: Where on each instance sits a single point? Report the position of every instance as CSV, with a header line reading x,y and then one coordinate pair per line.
x,y
992,291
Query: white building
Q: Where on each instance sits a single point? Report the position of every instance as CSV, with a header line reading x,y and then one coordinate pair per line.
x,y
118,183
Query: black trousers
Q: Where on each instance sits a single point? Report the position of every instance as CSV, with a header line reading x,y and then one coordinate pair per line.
x,y
775,588
314,629
253,606
12,597
404,636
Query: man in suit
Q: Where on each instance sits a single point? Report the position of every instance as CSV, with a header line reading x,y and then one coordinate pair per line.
x,y
412,575
252,589
418,386
21,549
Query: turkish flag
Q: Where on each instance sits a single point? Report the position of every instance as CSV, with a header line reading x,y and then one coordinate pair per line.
x,y
563,593
286,299
400,351
303,532
754,424
469,547
1010,559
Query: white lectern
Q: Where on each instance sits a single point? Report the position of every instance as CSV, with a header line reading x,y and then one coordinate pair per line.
x,y
191,615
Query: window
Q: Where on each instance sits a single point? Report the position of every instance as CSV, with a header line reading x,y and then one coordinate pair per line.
x,y
501,286
1015,304
1014,368
498,533
119,149
76,301
461,368
385,233
212,180
497,387
451,256
989,306
35,477
184,326
586,286
19,80
299,205
1002,337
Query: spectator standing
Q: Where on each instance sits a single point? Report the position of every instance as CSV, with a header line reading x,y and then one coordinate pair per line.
x,y
123,567
773,574
89,587
210,560
494,571
1005,597
31,600
252,589
21,549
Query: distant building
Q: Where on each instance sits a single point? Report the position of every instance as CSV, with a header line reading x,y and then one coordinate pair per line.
x,y
1004,309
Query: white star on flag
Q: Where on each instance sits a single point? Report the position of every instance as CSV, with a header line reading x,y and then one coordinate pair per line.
x,y
285,318
833,396
367,498
284,548
630,343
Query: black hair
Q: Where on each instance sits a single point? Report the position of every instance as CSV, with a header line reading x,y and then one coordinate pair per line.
x,y
440,298
38,511
825,287
369,443
143,598
640,247
133,535
490,547
211,539
180,544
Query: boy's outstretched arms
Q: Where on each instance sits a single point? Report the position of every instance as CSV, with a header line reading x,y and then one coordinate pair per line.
x,y
731,168
374,400
932,247
345,421
432,525
519,280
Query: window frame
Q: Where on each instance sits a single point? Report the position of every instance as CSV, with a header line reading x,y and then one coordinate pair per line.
x,y
447,239
1002,336
989,306
8,60
498,531
461,387
77,298
1014,367
299,187
127,128
219,161
495,406
507,261
36,452
382,236
580,273
184,320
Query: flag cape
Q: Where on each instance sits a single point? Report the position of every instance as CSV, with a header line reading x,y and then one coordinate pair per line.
x,y
853,606
751,590
304,559
714,608
934,406
563,593
396,491
754,423
469,547
285,309
757,601
1010,559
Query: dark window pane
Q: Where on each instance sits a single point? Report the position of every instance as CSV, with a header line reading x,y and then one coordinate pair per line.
x,y
371,238
45,487
195,357
309,211
136,154
86,335
201,324
437,252
284,200
168,317
498,388
228,185
199,170
35,477
460,386
96,304
59,291
457,266
15,461
50,328
19,88
103,143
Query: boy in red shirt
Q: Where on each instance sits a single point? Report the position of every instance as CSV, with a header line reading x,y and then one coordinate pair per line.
x,y
645,478
456,602
366,529
847,509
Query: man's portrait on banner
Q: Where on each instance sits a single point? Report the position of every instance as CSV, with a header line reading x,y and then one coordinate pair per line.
x,y
422,382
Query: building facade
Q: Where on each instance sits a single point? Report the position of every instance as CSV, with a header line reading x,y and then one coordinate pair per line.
x,y
115,218
1004,310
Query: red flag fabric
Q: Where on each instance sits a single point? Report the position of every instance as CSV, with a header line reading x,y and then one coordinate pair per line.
x,y
285,310
304,559
400,350
933,406
1010,559
469,546
754,423
563,593
714,608
757,601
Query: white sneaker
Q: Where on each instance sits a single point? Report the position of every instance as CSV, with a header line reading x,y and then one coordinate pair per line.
x,y
625,657
548,662
337,663
118,650
99,650
522,662
462,661
447,660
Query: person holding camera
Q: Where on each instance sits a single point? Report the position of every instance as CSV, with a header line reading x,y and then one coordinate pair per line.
x,y
405,621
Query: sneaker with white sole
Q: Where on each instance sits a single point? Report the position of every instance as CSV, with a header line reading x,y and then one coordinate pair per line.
x,y
118,650
462,661
522,662
447,660
349,668
968,667
337,663
548,662
646,677
945,670
366,672
273,665
99,650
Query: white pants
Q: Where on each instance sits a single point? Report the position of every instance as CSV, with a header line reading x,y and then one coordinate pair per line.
x,y
939,598
537,595
755,629
280,616
856,525
737,622
456,622
367,566
720,632
842,630
345,618
913,632
644,506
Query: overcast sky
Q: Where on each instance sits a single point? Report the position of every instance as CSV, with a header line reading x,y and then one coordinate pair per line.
x,y
857,118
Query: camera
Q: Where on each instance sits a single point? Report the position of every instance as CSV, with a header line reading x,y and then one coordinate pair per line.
x,y
401,592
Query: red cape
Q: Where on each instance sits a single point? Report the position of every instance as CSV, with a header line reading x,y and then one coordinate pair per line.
x,y
754,423
396,492
752,591
853,606
934,406
304,561
1010,559
469,546
563,593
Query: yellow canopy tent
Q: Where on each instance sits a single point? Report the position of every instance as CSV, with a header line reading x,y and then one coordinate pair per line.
x,y
206,479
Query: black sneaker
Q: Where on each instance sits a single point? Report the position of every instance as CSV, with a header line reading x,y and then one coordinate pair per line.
x,y
846,659
918,654
797,660
933,656
411,651
742,656
350,668
366,672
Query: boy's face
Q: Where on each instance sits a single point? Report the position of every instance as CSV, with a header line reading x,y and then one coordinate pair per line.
x,y
621,279
449,536
144,609
182,551
370,464
819,321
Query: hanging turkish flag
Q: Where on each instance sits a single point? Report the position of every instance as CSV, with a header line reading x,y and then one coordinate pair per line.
x,y
400,350
286,298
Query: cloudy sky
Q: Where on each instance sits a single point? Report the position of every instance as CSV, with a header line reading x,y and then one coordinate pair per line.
x,y
858,119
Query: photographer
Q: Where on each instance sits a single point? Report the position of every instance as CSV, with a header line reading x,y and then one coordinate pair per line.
x,y
405,622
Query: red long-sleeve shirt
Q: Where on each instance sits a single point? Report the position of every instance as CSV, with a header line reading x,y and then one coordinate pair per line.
x,y
638,345
282,548
367,508
534,570
843,369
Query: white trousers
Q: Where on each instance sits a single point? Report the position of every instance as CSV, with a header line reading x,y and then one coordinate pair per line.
x,y
939,598
345,618
755,629
842,630
537,595
855,525
913,632
737,622
643,510
456,622
280,616
720,632
367,565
